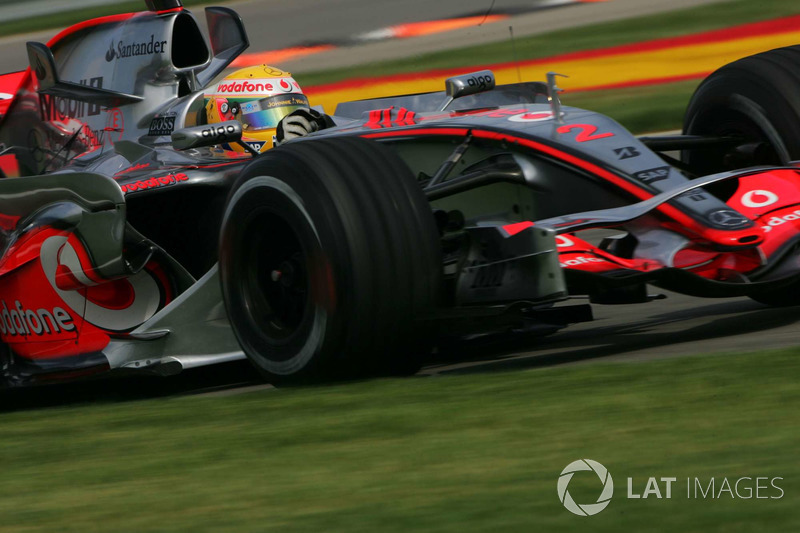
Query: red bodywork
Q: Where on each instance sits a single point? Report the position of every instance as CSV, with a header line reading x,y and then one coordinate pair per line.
x,y
54,303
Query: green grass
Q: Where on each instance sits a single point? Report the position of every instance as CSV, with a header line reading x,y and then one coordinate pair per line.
x,y
457,453
639,109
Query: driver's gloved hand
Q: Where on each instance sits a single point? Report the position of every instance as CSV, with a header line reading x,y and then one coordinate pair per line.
x,y
300,123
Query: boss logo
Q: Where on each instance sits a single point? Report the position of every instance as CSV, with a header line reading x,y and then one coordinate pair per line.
x,y
480,81
219,131
161,126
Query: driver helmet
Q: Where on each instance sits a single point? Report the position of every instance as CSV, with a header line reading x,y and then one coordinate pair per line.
x,y
258,97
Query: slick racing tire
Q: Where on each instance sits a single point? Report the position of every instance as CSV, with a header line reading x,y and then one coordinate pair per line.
x,y
755,99
330,262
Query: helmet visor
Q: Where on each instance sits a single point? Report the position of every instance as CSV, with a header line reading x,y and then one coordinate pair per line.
x,y
266,113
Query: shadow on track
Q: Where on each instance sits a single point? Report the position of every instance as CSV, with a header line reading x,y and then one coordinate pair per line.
x,y
111,389
617,332
602,341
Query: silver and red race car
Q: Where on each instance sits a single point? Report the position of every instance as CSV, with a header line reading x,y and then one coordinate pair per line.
x,y
129,244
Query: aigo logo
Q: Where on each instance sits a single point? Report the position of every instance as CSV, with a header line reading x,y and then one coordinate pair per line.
x,y
588,509
481,82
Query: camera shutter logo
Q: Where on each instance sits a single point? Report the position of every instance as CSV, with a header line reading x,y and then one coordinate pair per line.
x,y
586,509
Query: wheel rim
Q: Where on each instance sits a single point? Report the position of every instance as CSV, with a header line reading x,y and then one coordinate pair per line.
x,y
758,146
274,276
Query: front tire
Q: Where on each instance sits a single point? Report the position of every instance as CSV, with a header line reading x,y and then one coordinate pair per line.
x,y
330,261
755,99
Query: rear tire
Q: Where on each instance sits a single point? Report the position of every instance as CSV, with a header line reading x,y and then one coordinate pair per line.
x,y
330,261
757,99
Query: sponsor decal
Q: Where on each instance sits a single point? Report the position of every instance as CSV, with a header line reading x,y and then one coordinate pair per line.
x,y
162,125
562,241
480,81
386,118
220,132
257,146
56,108
136,298
17,320
759,198
652,175
727,218
582,261
794,216
285,85
282,101
531,117
155,183
693,195
627,152
115,122
257,86
141,48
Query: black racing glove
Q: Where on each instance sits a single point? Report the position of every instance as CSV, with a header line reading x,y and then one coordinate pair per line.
x,y
300,123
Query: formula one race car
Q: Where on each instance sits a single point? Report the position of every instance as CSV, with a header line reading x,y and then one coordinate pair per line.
x,y
128,244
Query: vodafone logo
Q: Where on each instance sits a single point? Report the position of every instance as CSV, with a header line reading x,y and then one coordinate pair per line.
x,y
285,85
16,320
141,303
779,220
563,241
759,198
531,117
244,87
257,87
581,261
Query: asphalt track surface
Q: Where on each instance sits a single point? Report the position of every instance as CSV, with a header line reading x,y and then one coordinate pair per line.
x,y
677,325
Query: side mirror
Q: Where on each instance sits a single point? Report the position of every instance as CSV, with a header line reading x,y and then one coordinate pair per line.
x,y
228,39
466,84
229,131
